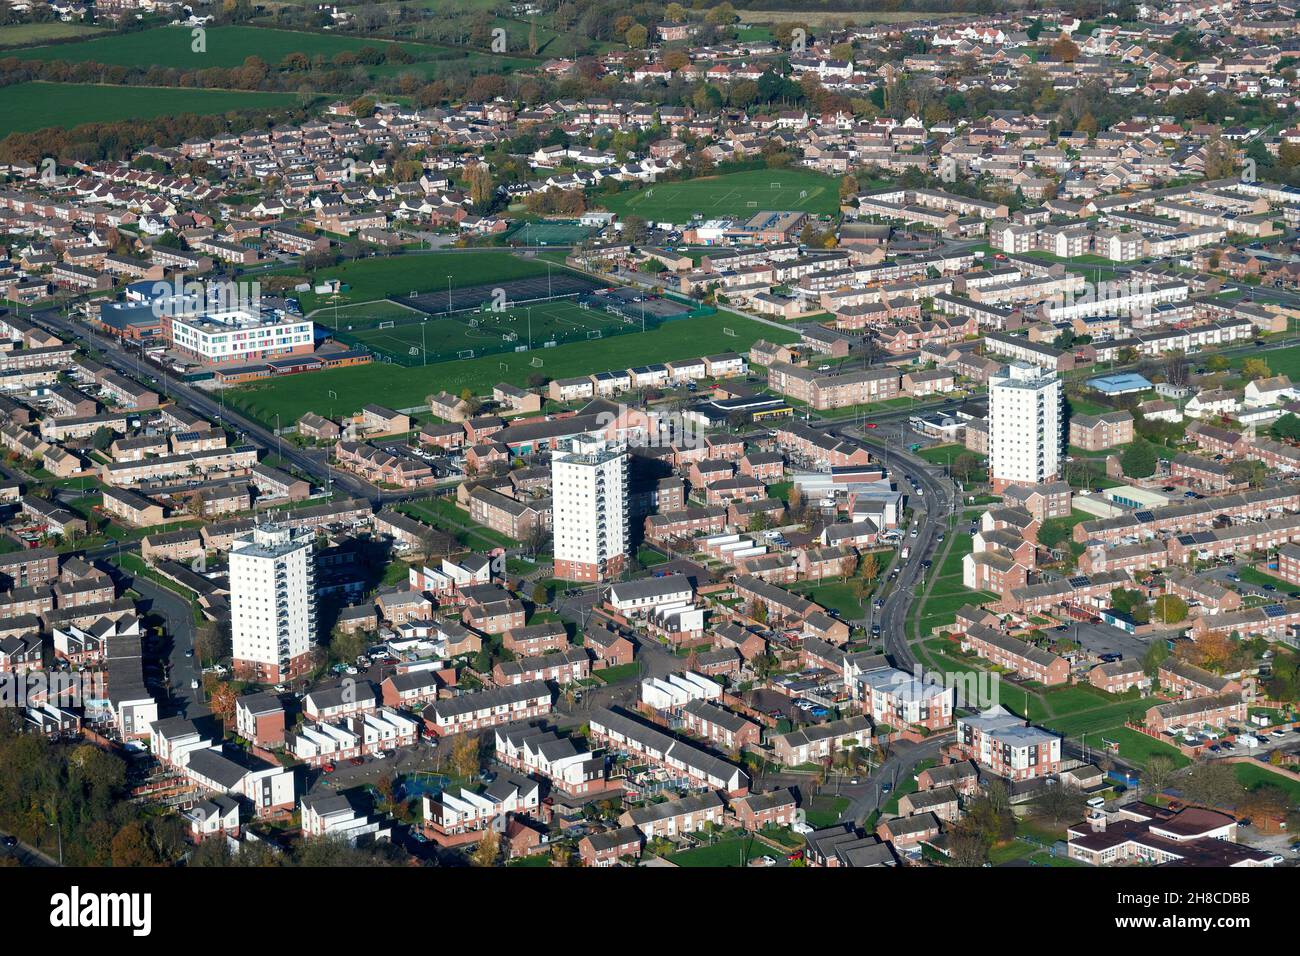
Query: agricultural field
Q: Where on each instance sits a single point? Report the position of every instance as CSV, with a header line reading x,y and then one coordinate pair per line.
x,y
818,18
18,34
399,387
225,46
31,106
372,280
731,194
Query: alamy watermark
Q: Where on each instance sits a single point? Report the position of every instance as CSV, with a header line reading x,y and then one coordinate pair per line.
x,y
175,299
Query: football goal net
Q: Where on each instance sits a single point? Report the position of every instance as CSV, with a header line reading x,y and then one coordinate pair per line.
x,y
385,325
465,354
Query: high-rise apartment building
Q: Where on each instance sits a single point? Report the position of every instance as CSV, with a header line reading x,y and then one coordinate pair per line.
x,y
589,501
272,604
1025,426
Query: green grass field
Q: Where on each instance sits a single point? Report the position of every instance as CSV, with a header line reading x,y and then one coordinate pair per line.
x,y
731,194
224,46
1253,775
723,853
370,280
442,339
30,106
399,387
16,34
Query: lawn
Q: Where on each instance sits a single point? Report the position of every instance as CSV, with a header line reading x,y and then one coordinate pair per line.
x,y
1138,748
32,106
826,812
374,279
397,387
1253,775
731,194
946,600
835,595
619,672
729,852
445,514
1099,721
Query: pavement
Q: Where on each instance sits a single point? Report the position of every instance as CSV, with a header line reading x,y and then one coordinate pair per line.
x,y
26,855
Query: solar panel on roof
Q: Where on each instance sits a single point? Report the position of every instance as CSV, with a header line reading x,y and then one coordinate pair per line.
x,y
1079,582
1186,540
1275,610
1144,516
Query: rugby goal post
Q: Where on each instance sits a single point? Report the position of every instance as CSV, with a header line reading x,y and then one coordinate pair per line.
x,y
503,366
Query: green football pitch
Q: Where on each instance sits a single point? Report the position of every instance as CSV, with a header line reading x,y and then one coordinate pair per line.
x,y
733,195
470,334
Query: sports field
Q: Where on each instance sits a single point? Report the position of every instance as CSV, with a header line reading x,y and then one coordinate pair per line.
x,y
370,280
731,194
399,387
477,333
31,106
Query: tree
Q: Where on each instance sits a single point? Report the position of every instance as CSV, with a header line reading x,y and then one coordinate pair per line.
x,y
1064,49
1254,368
485,854
1287,427
1170,609
636,36
479,179
131,847
1157,774
675,13
1139,459
540,594
465,756
103,437
1212,784
345,646
1250,472
967,847
1060,805
965,466
535,539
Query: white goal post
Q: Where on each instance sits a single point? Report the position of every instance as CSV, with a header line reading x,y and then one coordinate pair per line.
x,y
465,354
